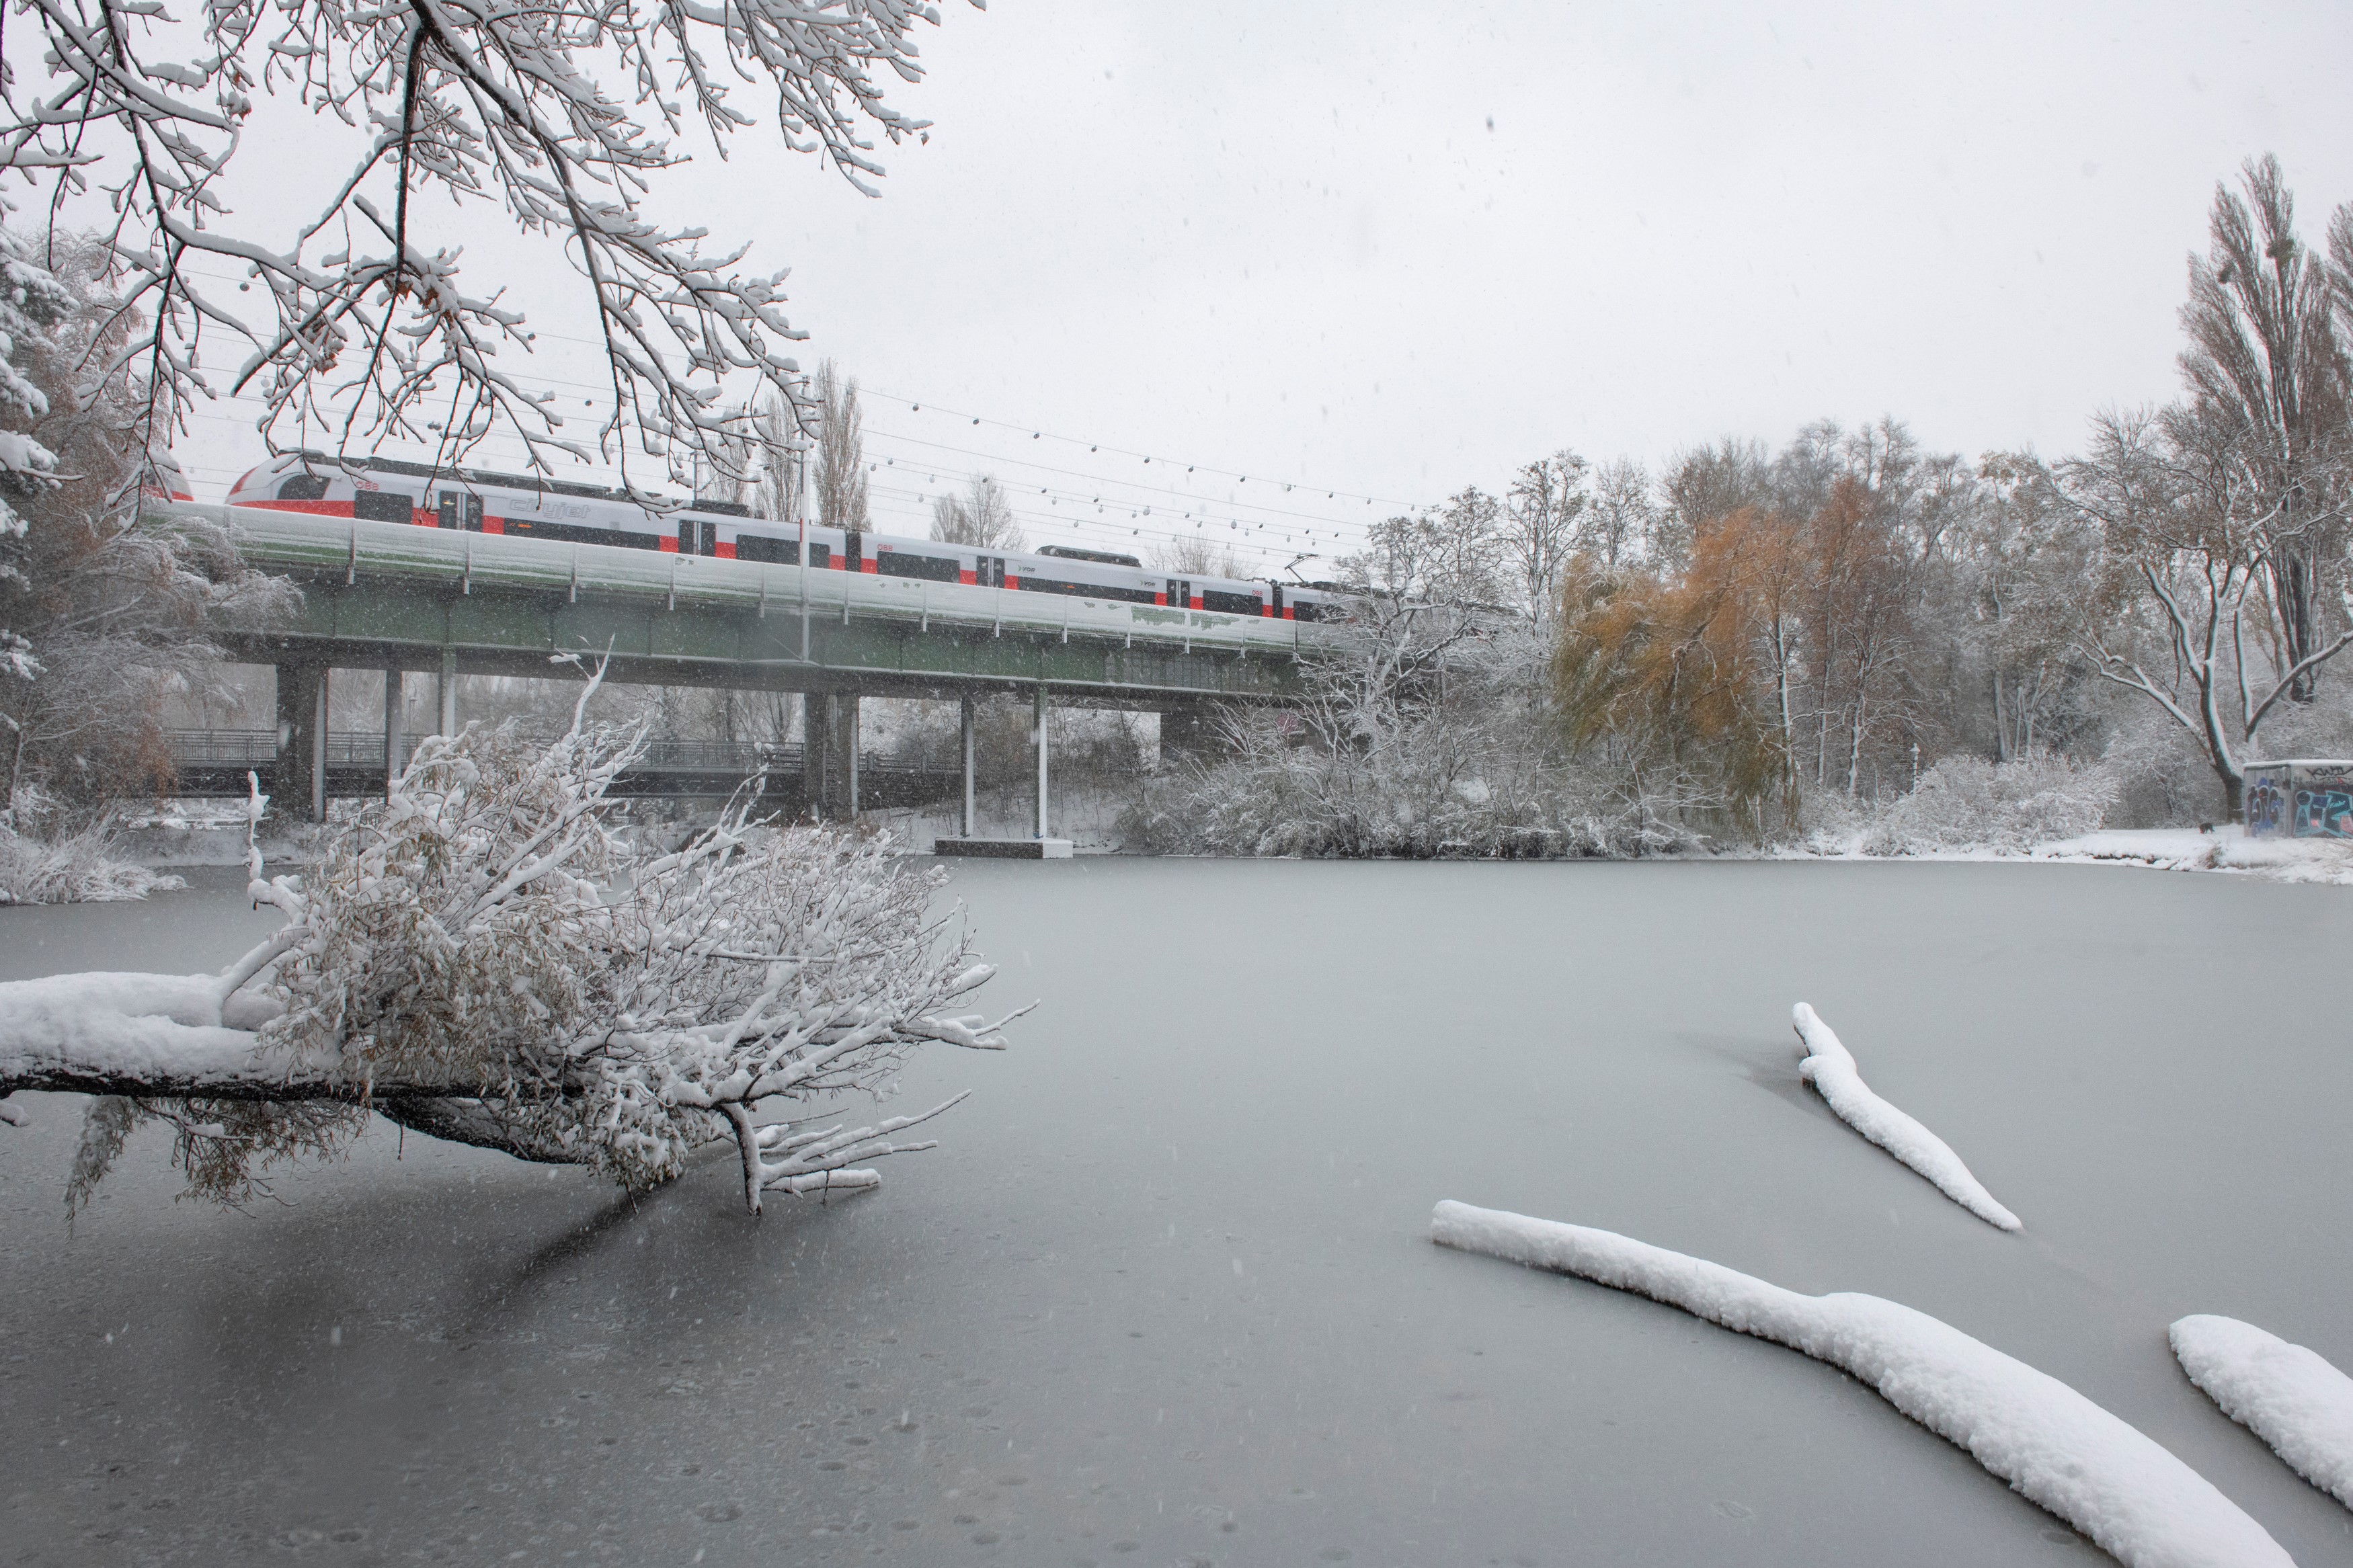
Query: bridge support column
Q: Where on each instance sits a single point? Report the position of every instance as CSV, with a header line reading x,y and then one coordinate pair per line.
x,y
298,781
971,822
1042,816
445,691
393,715
829,753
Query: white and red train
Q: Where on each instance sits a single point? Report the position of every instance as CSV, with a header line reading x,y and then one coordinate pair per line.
x,y
389,490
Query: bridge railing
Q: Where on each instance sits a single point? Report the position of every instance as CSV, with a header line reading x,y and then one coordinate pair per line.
x,y
195,749
356,547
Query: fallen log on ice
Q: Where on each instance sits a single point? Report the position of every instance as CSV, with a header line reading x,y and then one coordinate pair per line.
x,y
2142,1506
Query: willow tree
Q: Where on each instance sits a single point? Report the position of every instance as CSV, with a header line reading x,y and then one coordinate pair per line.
x,y
1678,674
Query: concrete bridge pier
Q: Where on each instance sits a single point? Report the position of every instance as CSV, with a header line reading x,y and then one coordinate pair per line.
x,y
298,781
445,691
829,725
392,722
970,823
1041,832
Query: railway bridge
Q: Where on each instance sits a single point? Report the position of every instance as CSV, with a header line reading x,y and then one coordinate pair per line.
x,y
409,600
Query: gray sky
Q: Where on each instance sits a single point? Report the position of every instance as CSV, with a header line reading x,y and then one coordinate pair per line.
x,y
1393,249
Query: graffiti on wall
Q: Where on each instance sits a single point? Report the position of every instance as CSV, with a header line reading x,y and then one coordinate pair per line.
x,y
2266,808
2324,812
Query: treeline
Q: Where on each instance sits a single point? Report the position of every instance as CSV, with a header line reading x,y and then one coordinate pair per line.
x,y
1760,644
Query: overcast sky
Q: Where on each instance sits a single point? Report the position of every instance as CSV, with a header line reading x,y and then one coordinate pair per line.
x,y
1396,249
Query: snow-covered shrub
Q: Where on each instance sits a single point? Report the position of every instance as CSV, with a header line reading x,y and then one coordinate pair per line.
x,y
1968,803
483,959
72,867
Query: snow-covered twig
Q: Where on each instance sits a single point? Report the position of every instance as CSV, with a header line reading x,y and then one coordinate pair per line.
x,y
2138,1501
1830,1068
2289,1397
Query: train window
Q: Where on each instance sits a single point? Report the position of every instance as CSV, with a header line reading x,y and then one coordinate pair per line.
x,y
303,487
908,563
1037,584
1231,604
767,547
1307,610
383,505
461,509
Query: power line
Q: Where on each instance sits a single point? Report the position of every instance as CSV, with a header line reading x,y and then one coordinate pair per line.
x,y
1036,432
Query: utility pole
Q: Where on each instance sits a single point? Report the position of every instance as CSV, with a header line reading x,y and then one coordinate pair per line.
x,y
800,514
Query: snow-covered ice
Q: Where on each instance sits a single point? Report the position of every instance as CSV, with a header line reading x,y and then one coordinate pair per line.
x,y
2289,1397
1830,1067
2140,1503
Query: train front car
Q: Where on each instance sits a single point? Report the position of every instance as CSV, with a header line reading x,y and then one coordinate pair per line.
x,y
317,486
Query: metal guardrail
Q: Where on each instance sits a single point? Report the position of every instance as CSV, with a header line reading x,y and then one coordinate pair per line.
x,y
354,547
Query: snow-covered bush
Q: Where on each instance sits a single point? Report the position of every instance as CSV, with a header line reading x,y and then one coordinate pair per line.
x,y
1968,803
1423,731
1432,788
483,960
74,869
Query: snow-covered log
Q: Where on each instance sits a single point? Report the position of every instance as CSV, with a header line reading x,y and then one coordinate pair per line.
x,y
1831,1067
2289,1397
484,959
2140,1503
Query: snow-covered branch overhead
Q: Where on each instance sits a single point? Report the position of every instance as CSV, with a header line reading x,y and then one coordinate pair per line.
x,y
566,115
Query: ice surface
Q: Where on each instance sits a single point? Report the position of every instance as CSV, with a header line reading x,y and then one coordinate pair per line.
x,y
2142,1505
1830,1067
1277,1066
2287,1395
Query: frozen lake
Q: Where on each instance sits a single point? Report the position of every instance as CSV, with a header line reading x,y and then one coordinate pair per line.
x,y
1165,1294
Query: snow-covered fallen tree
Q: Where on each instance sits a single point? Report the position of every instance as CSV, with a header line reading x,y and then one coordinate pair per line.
x,y
1831,1067
483,961
2289,1397
2136,1501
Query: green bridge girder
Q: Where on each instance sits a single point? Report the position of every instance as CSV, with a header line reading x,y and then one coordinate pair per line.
x,y
392,596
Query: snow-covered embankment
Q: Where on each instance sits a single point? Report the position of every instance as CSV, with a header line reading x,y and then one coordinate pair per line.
x,y
2289,1397
2138,1502
1831,1067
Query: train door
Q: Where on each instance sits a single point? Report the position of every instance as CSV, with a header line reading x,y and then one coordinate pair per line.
x,y
697,536
461,509
1180,594
989,571
853,552
1274,602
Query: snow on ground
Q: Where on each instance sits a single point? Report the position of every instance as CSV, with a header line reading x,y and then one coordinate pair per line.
x,y
2140,1503
2227,848
1831,1067
2287,1395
